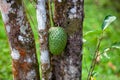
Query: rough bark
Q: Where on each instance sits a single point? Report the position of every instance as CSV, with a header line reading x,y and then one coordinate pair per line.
x,y
21,39
43,25
69,15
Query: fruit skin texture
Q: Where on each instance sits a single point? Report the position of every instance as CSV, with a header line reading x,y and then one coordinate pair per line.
x,y
57,40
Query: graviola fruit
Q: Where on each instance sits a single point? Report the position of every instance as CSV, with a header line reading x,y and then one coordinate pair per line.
x,y
57,40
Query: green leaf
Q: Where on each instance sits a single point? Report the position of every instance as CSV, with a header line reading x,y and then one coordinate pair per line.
x,y
108,19
93,32
116,45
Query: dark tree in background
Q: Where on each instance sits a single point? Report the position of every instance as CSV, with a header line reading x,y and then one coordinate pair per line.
x,y
69,15
21,40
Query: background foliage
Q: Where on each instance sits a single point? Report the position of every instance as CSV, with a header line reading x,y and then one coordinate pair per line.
x,y
95,11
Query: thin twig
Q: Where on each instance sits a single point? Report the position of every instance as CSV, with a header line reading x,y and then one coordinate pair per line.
x,y
94,58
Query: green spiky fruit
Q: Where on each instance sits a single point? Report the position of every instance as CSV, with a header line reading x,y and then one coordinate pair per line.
x,y
57,40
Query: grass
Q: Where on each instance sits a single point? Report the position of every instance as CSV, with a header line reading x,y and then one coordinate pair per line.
x,y
106,69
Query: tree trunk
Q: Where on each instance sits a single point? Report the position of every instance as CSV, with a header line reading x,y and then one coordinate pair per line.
x,y
43,26
21,39
69,15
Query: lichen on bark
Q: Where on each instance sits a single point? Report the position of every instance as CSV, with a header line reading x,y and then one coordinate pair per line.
x,y
43,26
21,39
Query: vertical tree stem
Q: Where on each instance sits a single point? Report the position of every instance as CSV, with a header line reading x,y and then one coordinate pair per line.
x,y
21,39
43,26
69,15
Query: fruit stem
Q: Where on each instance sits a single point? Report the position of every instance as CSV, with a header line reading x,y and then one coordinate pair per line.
x,y
51,13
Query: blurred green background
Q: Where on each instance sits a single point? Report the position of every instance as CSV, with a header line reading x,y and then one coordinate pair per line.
x,y
95,11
